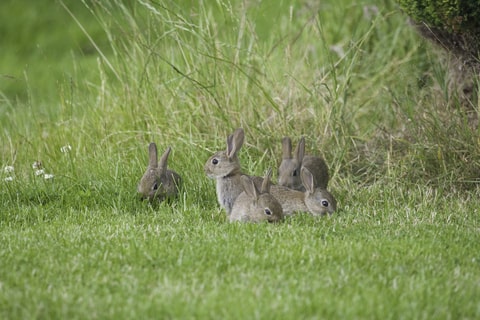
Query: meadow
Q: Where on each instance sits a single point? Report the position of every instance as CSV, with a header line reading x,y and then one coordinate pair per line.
x,y
85,86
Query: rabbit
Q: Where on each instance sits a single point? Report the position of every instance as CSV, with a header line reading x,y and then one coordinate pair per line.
x,y
158,182
316,200
289,170
224,166
255,205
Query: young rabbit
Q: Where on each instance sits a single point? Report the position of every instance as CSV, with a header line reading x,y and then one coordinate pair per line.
x,y
224,166
316,200
289,170
255,205
158,182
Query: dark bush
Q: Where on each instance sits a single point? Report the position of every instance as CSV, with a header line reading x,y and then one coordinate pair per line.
x,y
451,15
454,25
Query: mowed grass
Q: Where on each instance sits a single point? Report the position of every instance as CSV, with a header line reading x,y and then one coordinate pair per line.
x,y
354,79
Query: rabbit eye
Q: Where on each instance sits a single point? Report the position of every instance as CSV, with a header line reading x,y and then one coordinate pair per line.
x,y
268,212
155,186
215,161
325,203
294,173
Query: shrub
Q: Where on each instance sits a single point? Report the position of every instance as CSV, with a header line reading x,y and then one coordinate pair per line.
x,y
451,15
455,26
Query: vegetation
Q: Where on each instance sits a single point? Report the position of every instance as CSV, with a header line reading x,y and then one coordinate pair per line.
x,y
455,27
87,85
452,15
453,24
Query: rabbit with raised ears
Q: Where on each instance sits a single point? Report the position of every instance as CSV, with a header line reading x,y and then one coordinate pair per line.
x,y
255,205
290,167
158,182
224,166
316,200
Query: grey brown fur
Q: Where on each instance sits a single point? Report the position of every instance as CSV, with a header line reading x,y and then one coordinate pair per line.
x,y
224,167
316,200
158,182
254,205
290,167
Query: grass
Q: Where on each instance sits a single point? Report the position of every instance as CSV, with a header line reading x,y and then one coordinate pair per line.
x,y
365,90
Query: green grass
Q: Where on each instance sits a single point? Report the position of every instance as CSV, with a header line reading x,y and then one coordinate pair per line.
x,y
404,163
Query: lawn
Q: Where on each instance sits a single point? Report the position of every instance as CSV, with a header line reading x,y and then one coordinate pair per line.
x,y
86,86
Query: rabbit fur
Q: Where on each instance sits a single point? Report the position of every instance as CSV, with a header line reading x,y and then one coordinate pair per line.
x,y
254,205
224,167
289,169
158,182
316,200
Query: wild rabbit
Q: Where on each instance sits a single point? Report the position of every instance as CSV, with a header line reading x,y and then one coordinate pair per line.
x,y
224,166
316,200
255,205
289,170
158,182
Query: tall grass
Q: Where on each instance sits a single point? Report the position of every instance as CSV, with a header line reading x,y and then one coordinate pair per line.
x,y
182,73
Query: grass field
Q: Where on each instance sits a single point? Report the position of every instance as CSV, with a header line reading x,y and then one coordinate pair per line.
x,y
85,86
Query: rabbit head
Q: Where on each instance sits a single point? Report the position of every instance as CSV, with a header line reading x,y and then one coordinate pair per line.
x,y
318,200
289,170
255,205
225,163
158,182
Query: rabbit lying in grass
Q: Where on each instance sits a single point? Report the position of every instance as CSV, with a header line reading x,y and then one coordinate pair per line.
x,y
224,166
255,205
158,182
289,170
316,200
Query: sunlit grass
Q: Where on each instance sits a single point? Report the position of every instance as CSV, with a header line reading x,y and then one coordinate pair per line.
x,y
353,78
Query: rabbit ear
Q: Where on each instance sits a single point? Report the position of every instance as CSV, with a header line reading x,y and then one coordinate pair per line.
x,y
300,150
152,151
235,142
266,182
162,164
249,187
286,148
307,180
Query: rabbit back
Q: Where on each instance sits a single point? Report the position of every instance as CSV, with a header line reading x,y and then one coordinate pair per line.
x,y
315,200
291,200
318,167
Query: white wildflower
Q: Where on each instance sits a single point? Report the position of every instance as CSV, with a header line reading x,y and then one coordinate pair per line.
x,y
65,149
8,169
39,172
48,176
8,179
